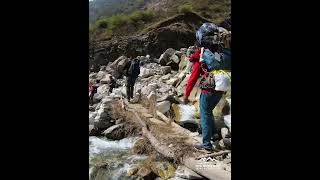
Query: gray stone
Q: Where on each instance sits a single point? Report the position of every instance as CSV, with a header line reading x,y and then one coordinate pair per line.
x,y
103,68
114,64
144,72
224,132
163,106
93,75
106,79
178,53
186,173
90,128
115,132
164,58
172,81
175,59
100,75
103,89
166,77
183,63
165,69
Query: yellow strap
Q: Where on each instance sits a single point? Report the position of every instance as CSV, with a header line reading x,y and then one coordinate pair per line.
x,y
221,71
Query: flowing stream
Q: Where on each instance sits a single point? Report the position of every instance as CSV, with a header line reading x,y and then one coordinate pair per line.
x,y
110,159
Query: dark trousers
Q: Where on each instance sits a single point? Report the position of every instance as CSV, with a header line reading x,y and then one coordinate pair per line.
x,y
91,99
130,85
208,102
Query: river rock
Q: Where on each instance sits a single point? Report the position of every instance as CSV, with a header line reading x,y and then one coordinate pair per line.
x,y
146,173
97,98
103,89
100,75
224,132
106,79
115,132
101,124
165,69
178,53
163,106
173,81
144,72
164,170
114,64
186,173
164,58
174,58
132,170
121,64
183,62
103,68
90,128
165,77
227,121
93,75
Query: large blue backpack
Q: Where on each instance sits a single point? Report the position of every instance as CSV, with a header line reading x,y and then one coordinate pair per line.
x,y
210,60
205,32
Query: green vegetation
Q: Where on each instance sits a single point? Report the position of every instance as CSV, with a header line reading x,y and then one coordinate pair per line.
x,y
122,17
185,8
108,26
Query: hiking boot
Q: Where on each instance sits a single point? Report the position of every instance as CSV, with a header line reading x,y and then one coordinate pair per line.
x,y
203,149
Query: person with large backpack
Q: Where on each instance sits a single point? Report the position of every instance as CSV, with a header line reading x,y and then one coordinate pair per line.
x,y
207,66
132,71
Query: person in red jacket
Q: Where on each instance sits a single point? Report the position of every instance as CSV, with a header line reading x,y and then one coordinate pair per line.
x,y
209,98
92,90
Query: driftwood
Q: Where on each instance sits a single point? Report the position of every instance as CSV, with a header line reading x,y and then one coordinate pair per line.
x,y
212,172
214,154
162,149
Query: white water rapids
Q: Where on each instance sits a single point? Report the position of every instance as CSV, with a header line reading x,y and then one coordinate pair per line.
x,y
115,154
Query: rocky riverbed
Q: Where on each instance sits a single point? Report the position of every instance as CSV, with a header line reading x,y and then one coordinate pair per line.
x,y
115,152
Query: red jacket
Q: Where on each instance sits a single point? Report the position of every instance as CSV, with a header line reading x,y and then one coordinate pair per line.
x,y
195,74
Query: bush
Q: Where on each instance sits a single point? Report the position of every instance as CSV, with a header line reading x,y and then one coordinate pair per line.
x,y
185,8
102,23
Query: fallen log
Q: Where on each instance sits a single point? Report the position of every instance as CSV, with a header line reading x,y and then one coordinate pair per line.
x,y
214,154
178,128
160,148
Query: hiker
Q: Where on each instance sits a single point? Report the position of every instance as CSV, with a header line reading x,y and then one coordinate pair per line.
x,y
112,84
132,71
92,90
210,95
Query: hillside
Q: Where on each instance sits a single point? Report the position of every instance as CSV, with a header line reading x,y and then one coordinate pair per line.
x,y
110,18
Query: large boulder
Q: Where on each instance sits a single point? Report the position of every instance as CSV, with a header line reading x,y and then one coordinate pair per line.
x,y
114,64
115,132
145,72
164,170
165,69
106,79
183,63
100,75
165,57
174,58
184,113
103,89
163,106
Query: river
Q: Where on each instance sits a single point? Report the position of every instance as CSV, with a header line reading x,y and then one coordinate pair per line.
x,y
113,155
